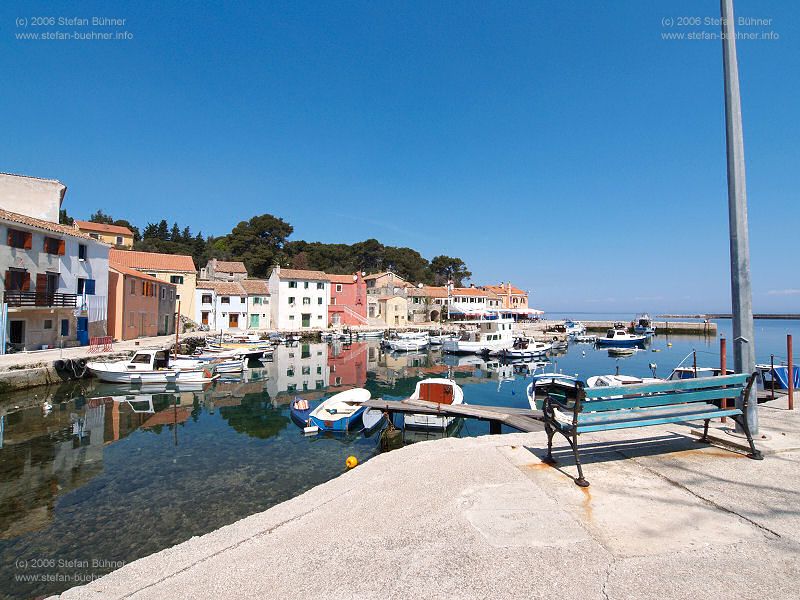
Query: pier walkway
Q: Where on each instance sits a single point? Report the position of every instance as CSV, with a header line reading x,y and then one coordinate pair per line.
x,y
665,517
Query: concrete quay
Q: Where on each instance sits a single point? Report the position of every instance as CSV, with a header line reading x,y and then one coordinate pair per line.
x,y
665,517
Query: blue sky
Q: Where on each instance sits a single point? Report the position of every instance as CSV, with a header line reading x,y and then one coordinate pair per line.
x,y
563,145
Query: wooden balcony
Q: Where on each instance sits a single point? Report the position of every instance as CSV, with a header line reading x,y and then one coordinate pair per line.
x,y
16,298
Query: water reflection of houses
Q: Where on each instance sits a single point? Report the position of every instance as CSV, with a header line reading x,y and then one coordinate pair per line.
x,y
45,457
347,364
297,369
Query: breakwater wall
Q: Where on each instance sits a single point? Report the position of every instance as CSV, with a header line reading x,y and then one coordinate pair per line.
x,y
663,327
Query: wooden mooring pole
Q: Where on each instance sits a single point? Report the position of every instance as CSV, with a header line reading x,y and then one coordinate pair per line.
x,y
790,374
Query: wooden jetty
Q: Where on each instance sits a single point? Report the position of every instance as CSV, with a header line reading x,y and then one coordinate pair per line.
x,y
521,419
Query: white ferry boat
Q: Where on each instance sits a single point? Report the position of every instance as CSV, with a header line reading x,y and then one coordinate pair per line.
x,y
481,335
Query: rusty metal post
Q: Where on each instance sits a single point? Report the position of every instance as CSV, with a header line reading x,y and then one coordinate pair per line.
x,y
772,374
723,368
790,362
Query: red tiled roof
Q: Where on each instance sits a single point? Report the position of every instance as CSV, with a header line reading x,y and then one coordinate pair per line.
x,y
255,287
230,266
152,261
134,273
41,224
384,298
302,274
429,291
502,291
379,275
467,292
102,228
223,288
341,278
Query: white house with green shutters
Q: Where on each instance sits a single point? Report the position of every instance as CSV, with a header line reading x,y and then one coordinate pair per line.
x,y
299,299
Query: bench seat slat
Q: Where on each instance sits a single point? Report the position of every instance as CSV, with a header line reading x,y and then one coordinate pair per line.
x,y
635,414
667,386
643,421
664,399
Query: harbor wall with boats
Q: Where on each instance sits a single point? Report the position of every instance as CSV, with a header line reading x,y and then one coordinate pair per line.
x,y
705,327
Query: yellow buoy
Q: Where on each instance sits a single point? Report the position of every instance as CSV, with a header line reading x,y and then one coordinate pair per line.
x,y
669,344
351,462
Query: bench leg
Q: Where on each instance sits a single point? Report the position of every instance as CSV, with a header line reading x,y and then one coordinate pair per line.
x,y
550,433
581,481
705,432
755,454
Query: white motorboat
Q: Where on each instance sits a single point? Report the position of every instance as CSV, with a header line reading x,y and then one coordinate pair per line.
x,y
618,336
619,380
621,351
438,340
370,334
408,344
481,336
441,391
574,328
411,335
540,380
341,411
148,366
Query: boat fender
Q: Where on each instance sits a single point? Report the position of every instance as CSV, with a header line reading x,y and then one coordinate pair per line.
x,y
351,462
59,365
206,373
310,429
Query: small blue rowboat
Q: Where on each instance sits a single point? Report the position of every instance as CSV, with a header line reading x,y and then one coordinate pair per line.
x,y
341,412
299,410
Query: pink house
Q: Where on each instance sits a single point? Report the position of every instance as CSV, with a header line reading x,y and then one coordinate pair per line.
x,y
348,305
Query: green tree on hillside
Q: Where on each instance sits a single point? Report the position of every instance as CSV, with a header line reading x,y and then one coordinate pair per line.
x,y
446,268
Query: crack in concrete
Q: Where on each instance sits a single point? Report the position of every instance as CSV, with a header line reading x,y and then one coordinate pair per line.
x,y
707,501
257,534
609,568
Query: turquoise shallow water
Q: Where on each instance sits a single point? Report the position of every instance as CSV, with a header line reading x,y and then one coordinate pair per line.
x,y
100,480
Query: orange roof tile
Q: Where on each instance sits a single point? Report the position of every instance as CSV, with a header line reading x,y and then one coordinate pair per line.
x,y
255,287
429,291
340,278
230,266
467,292
134,273
102,228
152,261
302,274
41,224
223,288
502,290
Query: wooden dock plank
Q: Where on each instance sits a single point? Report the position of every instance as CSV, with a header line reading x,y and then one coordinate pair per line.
x,y
523,419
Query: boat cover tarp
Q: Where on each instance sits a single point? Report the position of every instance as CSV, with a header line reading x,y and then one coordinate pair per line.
x,y
782,375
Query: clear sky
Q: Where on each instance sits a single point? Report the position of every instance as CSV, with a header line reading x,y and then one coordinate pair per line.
x,y
566,146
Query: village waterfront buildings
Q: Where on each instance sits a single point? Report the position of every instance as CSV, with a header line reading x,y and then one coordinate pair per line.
x,y
177,269
299,298
55,278
138,304
66,284
114,235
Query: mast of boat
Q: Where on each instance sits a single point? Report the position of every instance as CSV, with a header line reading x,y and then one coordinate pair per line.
x,y
177,328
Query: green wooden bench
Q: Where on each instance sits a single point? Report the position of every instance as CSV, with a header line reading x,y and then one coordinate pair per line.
x,y
572,409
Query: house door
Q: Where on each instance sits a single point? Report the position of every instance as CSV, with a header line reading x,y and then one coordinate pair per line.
x,y
166,324
17,332
254,321
306,319
396,320
336,319
204,318
233,320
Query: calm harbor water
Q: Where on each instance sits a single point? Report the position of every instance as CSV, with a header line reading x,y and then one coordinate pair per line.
x,y
108,474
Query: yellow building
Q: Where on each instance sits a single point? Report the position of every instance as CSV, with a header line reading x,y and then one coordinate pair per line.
x,y
511,296
177,269
117,236
394,310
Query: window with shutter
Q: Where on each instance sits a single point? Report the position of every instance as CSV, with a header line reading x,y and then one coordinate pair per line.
x,y
89,287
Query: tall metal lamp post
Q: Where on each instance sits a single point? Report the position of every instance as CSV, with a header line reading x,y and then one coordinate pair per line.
x,y
742,299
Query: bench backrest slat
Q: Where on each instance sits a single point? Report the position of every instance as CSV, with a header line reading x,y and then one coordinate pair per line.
x,y
667,386
662,399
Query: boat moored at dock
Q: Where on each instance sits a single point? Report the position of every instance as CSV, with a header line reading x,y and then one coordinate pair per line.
x,y
619,337
440,391
481,336
148,366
